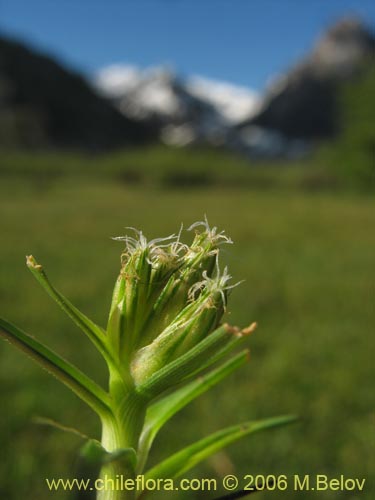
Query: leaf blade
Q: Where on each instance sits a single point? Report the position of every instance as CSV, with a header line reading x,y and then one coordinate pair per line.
x,y
93,331
213,347
189,457
65,372
161,411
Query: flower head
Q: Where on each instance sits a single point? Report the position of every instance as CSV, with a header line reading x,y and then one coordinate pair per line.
x,y
167,298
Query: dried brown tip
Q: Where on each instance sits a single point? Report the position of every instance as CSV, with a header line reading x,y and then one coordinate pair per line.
x,y
249,330
234,330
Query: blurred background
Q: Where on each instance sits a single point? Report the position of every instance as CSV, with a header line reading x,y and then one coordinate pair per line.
x,y
259,114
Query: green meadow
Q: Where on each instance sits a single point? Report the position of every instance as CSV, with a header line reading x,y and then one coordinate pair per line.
x,y
305,250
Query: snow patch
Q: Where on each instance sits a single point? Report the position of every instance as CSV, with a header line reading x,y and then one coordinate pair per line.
x,y
236,103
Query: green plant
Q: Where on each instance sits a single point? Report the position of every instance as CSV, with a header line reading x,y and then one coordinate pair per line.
x,y
350,156
164,329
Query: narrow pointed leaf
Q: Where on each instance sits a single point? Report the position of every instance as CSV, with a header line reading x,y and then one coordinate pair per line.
x,y
192,362
77,381
60,427
239,337
161,411
93,331
189,457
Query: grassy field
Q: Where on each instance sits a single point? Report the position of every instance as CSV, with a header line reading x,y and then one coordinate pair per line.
x,y
307,258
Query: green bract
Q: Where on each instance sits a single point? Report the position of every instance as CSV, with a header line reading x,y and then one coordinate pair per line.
x,y
164,329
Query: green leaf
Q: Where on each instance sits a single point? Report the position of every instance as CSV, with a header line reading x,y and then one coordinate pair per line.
x,y
93,331
72,377
189,457
164,409
94,454
193,361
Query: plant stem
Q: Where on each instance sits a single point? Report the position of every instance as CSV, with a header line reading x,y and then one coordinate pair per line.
x,y
113,477
121,431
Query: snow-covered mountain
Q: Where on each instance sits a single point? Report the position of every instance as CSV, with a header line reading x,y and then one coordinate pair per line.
x,y
298,109
189,110
235,103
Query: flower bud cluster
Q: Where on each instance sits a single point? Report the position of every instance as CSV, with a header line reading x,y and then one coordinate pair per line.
x,y
168,297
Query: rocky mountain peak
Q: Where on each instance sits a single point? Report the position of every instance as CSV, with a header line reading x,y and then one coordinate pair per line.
x,y
301,103
341,48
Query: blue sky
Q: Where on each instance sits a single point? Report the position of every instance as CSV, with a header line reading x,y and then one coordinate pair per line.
x,y
240,41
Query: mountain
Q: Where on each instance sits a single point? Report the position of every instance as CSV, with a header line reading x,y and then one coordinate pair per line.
x,y
302,104
233,102
185,111
300,107
44,104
